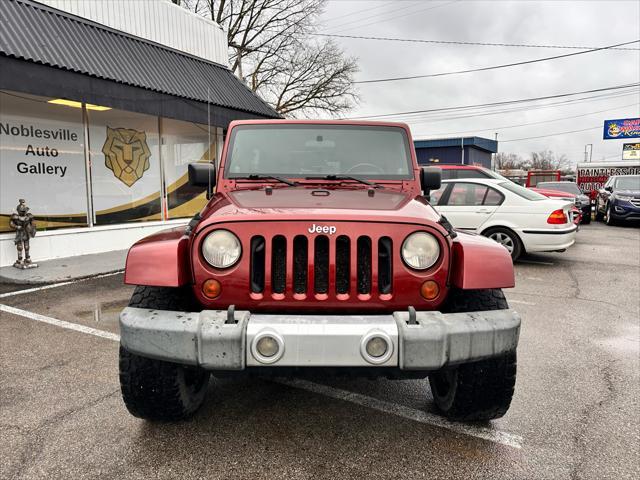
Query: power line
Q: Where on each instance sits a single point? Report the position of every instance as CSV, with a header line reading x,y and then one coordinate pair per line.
x,y
530,123
490,104
488,111
392,17
550,134
494,67
460,42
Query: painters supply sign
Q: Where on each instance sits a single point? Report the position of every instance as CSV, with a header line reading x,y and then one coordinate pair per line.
x,y
621,129
631,151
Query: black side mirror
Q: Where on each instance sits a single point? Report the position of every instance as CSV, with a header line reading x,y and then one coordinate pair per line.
x,y
430,179
202,175
609,188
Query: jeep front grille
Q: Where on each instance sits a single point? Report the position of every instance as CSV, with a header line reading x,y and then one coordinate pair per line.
x,y
321,265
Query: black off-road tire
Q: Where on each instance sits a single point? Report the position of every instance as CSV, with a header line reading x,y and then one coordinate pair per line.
x,y
164,298
155,389
477,391
586,219
599,214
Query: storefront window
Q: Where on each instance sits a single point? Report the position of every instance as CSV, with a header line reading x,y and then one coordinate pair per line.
x,y
42,160
125,167
184,143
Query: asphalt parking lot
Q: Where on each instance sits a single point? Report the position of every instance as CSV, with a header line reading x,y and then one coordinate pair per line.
x,y
574,415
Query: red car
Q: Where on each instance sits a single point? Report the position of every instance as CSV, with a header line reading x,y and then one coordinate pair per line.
x,y
318,252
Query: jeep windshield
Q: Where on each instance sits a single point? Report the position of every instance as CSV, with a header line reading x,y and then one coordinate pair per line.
x,y
327,152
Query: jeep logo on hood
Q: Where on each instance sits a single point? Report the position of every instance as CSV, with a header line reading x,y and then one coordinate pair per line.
x,y
330,229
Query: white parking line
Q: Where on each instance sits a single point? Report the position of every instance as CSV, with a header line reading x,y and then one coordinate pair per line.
x,y
520,302
485,433
496,436
535,262
59,323
55,285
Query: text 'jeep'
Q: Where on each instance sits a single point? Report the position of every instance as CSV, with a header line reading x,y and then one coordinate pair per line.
x,y
318,252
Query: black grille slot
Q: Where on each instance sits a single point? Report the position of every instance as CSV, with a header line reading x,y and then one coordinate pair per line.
x,y
364,265
257,264
321,264
278,264
385,265
300,254
343,263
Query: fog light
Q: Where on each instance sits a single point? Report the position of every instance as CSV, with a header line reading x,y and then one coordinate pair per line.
x,y
377,347
211,288
429,290
267,346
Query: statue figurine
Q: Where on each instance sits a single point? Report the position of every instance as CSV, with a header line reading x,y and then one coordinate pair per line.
x,y
24,225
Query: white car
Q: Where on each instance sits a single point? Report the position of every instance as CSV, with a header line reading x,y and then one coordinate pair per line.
x,y
518,218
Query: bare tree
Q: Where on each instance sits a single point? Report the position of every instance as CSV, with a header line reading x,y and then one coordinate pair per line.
x,y
271,51
509,161
547,160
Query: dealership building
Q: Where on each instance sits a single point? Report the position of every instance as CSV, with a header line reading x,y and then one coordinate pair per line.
x,y
461,151
102,106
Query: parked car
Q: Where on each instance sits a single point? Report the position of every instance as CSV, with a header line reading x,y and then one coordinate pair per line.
x,y
451,172
516,217
555,194
318,253
473,171
619,199
563,188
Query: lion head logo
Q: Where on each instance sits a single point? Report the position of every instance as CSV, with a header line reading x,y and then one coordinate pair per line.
x,y
126,153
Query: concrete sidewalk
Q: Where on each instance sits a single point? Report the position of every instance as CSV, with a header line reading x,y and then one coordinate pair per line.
x,y
64,269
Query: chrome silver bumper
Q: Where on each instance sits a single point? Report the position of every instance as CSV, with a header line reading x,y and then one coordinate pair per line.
x,y
219,340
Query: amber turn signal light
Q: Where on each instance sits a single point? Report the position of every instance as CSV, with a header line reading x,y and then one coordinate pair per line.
x,y
429,290
211,288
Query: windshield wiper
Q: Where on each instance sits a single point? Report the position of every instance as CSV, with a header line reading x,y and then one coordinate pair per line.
x,y
346,177
268,177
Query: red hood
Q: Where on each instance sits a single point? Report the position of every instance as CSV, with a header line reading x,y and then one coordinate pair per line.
x,y
318,204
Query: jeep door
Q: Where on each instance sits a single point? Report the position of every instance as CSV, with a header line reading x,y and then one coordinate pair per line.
x,y
468,205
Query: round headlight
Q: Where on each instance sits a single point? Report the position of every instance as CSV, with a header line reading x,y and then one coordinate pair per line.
x,y
221,249
420,250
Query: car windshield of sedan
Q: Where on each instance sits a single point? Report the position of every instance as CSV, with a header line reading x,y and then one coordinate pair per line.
x,y
630,182
567,187
305,150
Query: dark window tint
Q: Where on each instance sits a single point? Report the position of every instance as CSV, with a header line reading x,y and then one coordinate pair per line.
x,y
464,173
466,194
493,198
448,174
436,195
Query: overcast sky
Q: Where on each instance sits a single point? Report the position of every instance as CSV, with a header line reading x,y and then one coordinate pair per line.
x,y
578,23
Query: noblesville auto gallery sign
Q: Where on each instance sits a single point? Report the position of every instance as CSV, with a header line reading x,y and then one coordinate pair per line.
x,y
621,129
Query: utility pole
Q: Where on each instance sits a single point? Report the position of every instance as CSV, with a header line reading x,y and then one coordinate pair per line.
x,y
462,150
493,155
590,145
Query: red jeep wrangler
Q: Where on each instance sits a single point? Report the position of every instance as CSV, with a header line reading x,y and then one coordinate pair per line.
x,y
318,253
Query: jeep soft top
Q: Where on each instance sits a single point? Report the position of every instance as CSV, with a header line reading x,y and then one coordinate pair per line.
x,y
318,251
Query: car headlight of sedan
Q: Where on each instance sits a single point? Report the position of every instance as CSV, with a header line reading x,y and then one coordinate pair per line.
x,y
420,250
624,198
221,249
